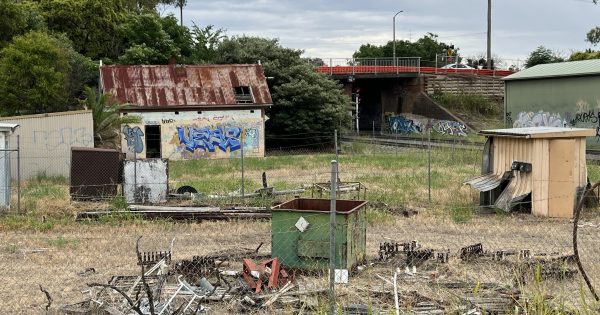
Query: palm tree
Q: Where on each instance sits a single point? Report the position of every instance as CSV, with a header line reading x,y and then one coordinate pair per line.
x,y
107,118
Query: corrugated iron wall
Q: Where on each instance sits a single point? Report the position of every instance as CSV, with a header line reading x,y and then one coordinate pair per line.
x,y
46,141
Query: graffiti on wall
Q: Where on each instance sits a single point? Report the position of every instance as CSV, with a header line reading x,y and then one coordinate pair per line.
x,y
404,125
450,127
584,118
134,139
205,138
539,119
59,139
401,124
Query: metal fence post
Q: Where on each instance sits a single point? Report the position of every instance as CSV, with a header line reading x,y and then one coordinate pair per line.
x,y
135,192
334,176
242,146
18,174
335,140
429,161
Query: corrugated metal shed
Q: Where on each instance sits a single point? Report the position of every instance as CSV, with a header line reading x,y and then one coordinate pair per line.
x,y
152,86
46,141
555,177
561,69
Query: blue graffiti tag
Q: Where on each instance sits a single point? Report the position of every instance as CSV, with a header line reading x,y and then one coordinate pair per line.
x,y
134,138
401,124
206,139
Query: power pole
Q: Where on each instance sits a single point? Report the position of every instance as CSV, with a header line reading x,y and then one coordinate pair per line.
x,y
489,35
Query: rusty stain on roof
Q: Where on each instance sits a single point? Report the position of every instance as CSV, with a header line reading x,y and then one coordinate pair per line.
x,y
154,86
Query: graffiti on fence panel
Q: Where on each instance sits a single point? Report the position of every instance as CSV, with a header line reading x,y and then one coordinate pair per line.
x,y
449,127
401,124
134,139
539,119
207,139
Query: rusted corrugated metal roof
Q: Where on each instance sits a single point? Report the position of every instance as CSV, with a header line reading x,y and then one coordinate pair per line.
x,y
184,85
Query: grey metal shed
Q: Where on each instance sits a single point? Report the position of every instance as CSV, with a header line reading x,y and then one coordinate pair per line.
x,y
5,151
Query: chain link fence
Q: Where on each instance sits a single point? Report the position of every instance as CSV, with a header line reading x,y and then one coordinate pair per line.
x,y
422,245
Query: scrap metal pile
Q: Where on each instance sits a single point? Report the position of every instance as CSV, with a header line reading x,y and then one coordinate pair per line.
x,y
190,286
432,267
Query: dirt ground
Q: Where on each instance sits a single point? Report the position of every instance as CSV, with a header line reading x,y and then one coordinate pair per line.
x,y
56,259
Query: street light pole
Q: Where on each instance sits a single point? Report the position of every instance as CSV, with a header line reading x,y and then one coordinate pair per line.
x,y
394,36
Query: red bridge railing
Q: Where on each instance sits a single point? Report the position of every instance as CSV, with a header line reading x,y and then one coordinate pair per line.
x,y
350,66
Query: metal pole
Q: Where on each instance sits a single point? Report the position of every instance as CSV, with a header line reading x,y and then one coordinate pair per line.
x,y
396,144
394,39
357,126
489,35
332,226
19,174
429,161
396,293
335,140
242,146
135,194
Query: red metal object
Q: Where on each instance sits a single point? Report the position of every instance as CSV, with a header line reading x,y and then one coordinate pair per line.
x,y
159,86
274,279
408,69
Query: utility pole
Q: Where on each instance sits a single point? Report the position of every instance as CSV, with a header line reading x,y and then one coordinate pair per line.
x,y
489,35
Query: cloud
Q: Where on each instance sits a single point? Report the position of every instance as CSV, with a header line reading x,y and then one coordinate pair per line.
x,y
338,28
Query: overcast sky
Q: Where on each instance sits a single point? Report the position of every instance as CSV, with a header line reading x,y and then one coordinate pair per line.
x,y
336,28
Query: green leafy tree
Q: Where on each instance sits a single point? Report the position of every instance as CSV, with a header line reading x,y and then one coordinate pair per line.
x,y
91,25
18,18
107,118
34,75
426,47
542,55
205,43
593,36
12,21
181,36
306,102
149,42
584,55
42,73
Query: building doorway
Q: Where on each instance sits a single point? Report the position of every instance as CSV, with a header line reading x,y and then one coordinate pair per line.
x,y
152,141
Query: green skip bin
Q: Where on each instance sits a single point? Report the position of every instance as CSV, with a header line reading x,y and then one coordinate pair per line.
x,y
300,233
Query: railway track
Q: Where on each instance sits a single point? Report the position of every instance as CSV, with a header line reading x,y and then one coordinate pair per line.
x,y
412,142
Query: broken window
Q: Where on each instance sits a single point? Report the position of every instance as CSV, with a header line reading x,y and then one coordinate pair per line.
x,y
243,95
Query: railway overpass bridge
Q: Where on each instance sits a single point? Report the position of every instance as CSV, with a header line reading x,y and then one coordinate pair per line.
x,y
387,86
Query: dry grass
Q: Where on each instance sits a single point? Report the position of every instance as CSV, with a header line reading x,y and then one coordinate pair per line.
x,y
108,249
398,179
